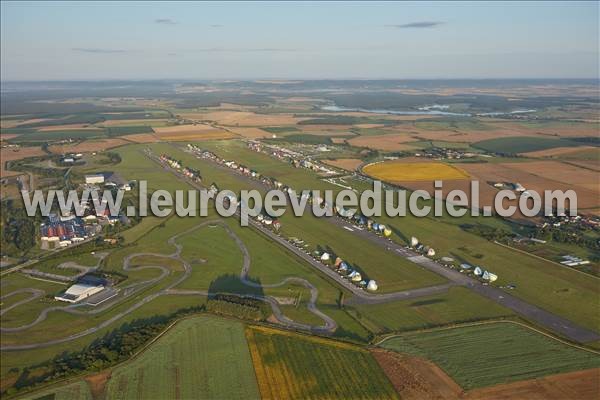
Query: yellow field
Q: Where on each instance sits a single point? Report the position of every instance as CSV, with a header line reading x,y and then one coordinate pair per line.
x,y
292,366
399,171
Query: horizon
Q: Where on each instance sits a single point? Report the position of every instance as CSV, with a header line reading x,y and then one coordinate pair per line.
x,y
283,80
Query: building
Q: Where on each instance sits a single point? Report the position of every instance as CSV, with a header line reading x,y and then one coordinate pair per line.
x,y
78,292
94,178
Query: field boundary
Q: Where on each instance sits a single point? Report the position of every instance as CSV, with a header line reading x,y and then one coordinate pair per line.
x,y
268,330
545,259
247,325
75,378
490,323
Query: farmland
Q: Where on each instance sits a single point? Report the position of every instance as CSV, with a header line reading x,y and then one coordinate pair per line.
x,y
397,171
575,385
567,153
175,262
489,354
457,306
388,142
74,391
7,154
42,136
349,164
242,118
33,358
541,176
293,366
87,146
192,132
522,144
201,357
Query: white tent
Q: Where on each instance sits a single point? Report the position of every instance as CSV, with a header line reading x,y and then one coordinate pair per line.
x,y
357,277
372,286
488,276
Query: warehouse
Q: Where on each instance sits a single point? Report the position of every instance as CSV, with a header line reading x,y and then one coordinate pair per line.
x,y
78,292
94,178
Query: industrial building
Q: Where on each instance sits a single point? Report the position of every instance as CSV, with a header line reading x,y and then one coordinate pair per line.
x,y
85,287
78,292
94,179
71,229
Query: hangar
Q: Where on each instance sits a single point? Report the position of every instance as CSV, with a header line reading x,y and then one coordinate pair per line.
x,y
78,292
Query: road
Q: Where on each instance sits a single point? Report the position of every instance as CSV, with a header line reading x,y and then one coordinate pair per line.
x,y
529,311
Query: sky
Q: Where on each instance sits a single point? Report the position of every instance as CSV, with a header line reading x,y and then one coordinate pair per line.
x,y
298,40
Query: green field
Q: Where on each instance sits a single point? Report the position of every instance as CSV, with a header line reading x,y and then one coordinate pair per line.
x,y
560,290
74,391
457,306
425,144
146,114
455,124
128,130
42,136
20,360
212,254
51,264
28,312
556,289
485,355
522,144
202,357
280,129
303,138
215,258
392,273
293,366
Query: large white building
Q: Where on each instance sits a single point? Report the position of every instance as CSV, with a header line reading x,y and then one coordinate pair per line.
x,y
94,178
78,292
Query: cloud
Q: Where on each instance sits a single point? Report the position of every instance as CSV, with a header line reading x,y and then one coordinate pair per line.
x,y
98,51
419,24
245,50
165,21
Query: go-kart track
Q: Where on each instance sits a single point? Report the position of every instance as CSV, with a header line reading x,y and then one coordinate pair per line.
x,y
329,324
